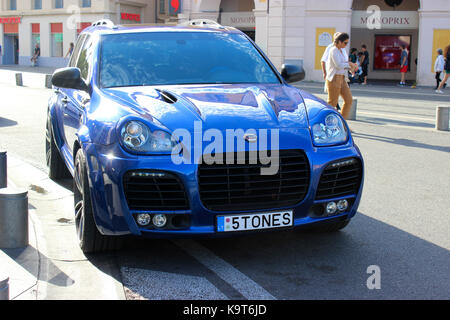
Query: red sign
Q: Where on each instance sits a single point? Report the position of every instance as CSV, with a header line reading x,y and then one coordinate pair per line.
x,y
10,20
131,16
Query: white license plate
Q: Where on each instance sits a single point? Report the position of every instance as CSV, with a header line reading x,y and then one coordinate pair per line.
x,y
255,221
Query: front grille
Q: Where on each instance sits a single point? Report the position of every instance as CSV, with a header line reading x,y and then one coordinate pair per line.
x,y
154,191
229,187
340,179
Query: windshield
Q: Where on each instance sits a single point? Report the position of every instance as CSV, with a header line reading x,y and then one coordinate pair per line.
x,y
168,58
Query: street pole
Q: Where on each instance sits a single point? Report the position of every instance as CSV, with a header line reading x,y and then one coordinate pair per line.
x,y
3,173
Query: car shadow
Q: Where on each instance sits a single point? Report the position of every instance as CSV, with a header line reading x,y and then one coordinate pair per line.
x,y
302,265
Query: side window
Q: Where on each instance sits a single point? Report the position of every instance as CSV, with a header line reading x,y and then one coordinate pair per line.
x,y
76,51
85,58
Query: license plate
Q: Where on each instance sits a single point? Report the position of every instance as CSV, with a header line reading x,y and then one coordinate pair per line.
x,y
255,221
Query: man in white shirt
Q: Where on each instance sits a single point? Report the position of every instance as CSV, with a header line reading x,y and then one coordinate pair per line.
x,y
439,66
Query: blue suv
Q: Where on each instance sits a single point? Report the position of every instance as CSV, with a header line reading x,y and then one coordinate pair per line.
x,y
191,131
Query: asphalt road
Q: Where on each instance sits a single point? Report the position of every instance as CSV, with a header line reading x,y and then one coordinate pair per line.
x,y
402,225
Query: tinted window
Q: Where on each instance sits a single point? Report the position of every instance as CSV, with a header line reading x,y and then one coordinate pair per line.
x,y
76,51
85,58
157,58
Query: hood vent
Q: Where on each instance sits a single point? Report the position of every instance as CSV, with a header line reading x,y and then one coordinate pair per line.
x,y
166,96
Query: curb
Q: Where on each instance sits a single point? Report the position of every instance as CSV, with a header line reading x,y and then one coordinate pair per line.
x,y
53,265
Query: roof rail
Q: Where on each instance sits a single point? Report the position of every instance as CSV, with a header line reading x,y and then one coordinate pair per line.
x,y
104,23
204,22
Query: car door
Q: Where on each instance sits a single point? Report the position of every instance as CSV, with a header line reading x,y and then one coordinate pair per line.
x,y
74,101
61,99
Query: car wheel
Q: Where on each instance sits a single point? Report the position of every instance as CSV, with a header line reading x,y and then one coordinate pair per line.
x,y
331,226
56,167
90,239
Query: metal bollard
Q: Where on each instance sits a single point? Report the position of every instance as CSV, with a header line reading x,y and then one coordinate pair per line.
x,y
13,218
19,81
352,114
442,118
48,81
3,170
4,288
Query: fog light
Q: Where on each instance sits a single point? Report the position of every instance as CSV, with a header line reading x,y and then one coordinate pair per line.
x,y
143,219
342,205
331,208
159,220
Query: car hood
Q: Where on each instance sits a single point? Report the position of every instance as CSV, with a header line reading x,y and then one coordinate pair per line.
x,y
217,106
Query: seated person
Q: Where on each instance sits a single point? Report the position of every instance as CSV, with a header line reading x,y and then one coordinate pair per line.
x,y
37,54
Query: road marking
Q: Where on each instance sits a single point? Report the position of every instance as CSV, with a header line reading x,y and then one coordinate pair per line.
x,y
239,281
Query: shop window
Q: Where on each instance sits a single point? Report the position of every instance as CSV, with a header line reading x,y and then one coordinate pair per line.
x,y
174,7
11,28
35,36
37,4
162,6
56,39
59,4
81,26
388,51
12,5
85,3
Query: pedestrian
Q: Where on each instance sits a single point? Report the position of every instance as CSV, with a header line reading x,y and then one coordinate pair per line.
x,y
404,63
439,66
37,54
354,59
323,62
446,68
365,63
69,53
326,54
338,66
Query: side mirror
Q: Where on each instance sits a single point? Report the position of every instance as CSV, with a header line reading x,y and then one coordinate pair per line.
x,y
69,78
292,73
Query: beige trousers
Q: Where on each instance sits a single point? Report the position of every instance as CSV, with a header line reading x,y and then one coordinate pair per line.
x,y
339,87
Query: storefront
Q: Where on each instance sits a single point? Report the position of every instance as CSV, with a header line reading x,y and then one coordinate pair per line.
x,y
384,32
298,31
244,21
10,48
234,13
238,14
22,28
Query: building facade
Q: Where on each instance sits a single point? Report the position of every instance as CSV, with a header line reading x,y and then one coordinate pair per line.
x,y
289,31
298,31
55,24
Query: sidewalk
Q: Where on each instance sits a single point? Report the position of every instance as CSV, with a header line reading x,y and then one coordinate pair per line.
x,y
52,266
34,77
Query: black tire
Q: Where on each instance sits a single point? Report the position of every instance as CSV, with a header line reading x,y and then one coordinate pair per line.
x,y
331,226
56,167
90,239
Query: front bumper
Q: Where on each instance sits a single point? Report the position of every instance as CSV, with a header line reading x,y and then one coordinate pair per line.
x,y
108,165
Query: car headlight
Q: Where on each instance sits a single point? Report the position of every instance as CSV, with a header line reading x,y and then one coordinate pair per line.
x,y
137,137
329,131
